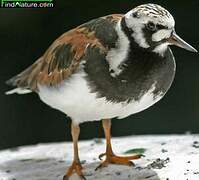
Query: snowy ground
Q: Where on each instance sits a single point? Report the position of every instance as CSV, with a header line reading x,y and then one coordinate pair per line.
x,y
170,157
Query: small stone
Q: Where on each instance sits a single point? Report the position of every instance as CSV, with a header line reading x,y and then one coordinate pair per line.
x,y
163,143
164,150
83,161
139,168
88,174
118,173
159,163
195,144
61,161
98,141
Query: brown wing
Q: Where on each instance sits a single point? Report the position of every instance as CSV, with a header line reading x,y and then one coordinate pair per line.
x,y
64,56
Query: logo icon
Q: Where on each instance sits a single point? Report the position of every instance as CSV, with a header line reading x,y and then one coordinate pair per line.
x,y
27,3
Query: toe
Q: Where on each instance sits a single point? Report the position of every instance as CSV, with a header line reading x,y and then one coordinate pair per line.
x,y
101,155
74,168
82,177
113,159
103,164
65,177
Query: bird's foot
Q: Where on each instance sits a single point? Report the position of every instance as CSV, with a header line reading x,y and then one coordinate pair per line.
x,y
76,167
113,159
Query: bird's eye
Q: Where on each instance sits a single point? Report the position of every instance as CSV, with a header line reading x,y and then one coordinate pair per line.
x,y
151,26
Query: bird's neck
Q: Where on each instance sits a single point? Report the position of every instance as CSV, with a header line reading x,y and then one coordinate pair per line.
x,y
128,33
127,50
158,49
126,47
133,45
118,55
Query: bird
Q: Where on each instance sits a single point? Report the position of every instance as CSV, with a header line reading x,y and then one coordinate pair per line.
x,y
109,67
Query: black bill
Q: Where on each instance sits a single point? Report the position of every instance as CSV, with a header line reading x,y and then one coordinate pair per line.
x,y
177,41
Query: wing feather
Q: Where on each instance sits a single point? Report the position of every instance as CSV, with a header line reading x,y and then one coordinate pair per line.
x,y
63,57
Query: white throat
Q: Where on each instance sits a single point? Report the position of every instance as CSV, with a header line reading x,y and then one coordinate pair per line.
x,y
118,55
133,23
161,49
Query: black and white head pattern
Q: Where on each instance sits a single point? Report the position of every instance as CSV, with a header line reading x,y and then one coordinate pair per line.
x,y
151,25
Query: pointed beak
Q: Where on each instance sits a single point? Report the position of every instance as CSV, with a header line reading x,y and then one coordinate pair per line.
x,y
177,41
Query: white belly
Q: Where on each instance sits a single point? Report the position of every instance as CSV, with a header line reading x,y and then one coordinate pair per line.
x,y
73,97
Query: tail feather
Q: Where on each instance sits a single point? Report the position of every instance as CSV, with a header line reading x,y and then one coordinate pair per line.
x,y
18,91
26,81
14,81
17,81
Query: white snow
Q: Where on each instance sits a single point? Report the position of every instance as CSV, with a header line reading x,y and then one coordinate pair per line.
x,y
49,161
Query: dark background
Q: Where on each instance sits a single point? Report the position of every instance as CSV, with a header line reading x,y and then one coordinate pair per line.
x,y
26,33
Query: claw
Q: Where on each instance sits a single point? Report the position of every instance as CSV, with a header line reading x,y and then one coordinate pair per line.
x,y
77,168
101,155
113,159
82,177
67,178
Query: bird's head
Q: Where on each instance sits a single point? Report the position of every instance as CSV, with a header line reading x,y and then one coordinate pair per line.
x,y
153,27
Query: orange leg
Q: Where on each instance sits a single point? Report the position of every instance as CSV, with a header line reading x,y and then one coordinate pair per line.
x,y
111,158
76,165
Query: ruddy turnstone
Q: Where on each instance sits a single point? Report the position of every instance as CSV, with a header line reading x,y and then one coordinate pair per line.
x,y
110,67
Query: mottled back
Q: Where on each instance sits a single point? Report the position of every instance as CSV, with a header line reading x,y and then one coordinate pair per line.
x,y
64,56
